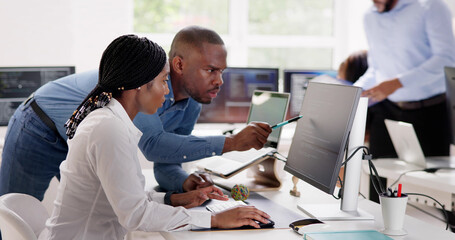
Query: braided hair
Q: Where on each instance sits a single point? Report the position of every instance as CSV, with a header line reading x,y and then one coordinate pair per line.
x,y
127,63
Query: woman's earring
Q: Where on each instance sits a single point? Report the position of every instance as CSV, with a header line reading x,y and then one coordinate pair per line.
x,y
139,88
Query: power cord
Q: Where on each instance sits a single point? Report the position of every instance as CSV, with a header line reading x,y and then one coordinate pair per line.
x,y
436,201
374,176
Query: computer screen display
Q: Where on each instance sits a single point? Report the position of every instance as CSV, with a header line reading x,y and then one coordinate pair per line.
x,y
233,101
296,83
269,107
17,83
450,95
318,146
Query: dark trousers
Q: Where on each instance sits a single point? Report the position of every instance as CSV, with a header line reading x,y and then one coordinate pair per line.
x,y
430,123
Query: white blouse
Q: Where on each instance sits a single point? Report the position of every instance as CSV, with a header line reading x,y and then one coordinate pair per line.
x,y
101,193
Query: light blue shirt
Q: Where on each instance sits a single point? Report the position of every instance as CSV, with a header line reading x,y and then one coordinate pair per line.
x,y
412,42
166,134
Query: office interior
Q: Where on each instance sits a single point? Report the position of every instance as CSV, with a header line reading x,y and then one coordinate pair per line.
x,y
73,35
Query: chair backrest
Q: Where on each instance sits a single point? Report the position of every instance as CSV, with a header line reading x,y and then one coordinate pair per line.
x,y
22,217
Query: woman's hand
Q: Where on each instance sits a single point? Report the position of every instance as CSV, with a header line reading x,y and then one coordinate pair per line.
x,y
239,216
197,180
197,197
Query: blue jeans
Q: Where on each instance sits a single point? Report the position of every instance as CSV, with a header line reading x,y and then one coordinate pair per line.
x,y
31,156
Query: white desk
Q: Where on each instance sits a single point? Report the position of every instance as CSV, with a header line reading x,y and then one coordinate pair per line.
x,y
439,185
417,229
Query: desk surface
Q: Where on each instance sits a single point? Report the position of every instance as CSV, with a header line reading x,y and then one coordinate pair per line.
x,y
393,168
417,229
439,185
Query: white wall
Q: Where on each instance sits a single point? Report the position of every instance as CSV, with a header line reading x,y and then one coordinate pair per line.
x,y
60,32
75,32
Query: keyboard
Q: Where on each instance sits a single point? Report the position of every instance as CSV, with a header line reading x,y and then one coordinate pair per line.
x,y
219,207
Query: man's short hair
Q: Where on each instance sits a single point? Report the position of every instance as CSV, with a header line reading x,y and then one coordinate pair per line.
x,y
193,36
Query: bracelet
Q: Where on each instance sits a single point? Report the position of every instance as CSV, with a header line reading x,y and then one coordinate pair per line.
x,y
167,198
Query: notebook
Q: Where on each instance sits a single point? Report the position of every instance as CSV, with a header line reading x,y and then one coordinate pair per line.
x,y
347,235
270,107
407,146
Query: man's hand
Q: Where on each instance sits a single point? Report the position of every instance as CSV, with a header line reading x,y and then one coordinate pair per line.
x,y
197,180
254,135
382,90
197,197
239,216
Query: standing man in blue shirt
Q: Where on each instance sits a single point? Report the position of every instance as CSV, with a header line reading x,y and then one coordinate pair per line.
x,y
35,142
410,43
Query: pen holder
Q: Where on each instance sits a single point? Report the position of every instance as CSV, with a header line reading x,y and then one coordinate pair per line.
x,y
393,213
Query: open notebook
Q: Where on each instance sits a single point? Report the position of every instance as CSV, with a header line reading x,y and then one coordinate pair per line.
x,y
267,107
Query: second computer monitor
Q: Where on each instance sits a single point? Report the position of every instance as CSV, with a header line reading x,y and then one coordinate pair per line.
x,y
17,83
233,101
296,83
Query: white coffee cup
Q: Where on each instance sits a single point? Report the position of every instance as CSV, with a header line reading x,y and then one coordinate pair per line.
x,y
393,213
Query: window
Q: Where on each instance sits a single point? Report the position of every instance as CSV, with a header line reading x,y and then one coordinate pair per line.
x,y
287,34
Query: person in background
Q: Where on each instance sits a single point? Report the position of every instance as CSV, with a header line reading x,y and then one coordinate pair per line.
x,y
35,142
354,66
410,42
101,194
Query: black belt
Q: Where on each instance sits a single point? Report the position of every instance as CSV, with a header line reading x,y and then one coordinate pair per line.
x,y
42,115
437,99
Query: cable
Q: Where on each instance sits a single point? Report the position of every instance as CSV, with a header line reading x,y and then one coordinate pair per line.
x,y
427,212
375,177
339,191
352,154
377,184
442,206
401,175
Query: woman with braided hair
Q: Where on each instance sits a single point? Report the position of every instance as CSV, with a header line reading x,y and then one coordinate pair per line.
x,y
101,194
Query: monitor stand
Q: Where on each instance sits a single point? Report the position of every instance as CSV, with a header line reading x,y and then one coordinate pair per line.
x,y
332,212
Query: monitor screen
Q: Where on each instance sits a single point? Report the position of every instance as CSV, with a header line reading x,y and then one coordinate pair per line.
x,y
233,101
318,146
17,83
296,82
269,107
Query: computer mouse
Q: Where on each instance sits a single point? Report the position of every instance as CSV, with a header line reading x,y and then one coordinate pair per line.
x,y
270,224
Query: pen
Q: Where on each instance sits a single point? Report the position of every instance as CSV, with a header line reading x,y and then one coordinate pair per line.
x,y
286,122
399,190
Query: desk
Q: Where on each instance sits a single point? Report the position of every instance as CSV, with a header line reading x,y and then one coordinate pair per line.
x,y
439,185
416,228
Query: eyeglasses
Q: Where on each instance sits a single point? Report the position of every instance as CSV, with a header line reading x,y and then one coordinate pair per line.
x,y
296,225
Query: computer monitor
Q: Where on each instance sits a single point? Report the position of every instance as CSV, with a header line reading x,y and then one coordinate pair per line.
x,y
320,141
17,83
296,82
450,94
233,101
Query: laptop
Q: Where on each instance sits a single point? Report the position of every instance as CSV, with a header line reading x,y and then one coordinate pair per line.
x,y
407,146
266,106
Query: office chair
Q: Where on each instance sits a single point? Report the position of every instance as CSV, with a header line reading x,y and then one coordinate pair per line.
x,y
22,217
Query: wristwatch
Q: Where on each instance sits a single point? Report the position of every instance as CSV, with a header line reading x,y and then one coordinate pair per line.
x,y
167,198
